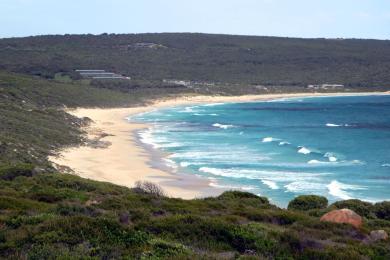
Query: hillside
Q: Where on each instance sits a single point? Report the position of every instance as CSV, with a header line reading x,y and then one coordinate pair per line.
x,y
33,121
242,60
50,216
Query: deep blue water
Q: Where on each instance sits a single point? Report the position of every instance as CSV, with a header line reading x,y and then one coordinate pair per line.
x,y
338,147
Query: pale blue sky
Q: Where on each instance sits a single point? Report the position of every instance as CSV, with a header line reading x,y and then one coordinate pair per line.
x,y
293,18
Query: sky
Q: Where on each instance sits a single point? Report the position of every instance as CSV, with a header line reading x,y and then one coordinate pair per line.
x,y
289,18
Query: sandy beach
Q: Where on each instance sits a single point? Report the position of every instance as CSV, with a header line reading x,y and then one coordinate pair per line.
x,y
119,158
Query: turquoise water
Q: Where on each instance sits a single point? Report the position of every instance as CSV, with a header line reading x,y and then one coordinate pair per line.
x,y
338,147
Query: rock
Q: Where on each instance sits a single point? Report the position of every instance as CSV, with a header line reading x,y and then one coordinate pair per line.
x,y
91,202
376,235
346,216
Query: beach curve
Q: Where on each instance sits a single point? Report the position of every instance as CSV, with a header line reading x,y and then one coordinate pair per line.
x,y
123,161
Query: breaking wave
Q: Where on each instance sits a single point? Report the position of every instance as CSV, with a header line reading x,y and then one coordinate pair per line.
x,y
305,187
223,126
268,139
275,176
271,184
340,190
303,150
332,125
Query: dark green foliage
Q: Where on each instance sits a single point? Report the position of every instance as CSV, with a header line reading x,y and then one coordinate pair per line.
x,y
162,249
237,195
64,216
364,209
278,217
382,210
242,195
244,60
9,173
307,202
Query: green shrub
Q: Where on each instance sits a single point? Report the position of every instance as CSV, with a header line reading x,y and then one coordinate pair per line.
x,y
165,249
78,229
231,195
51,195
382,210
75,209
307,202
278,217
360,207
9,173
9,203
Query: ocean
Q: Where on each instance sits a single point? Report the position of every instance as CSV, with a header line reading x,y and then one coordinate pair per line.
x,y
337,147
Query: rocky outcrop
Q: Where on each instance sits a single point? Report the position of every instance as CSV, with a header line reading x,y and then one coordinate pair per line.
x,y
345,216
376,235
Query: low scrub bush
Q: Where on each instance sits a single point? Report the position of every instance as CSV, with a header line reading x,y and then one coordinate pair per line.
x,y
362,208
64,209
237,195
241,195
11,203
382,210
308,202
166,249
9,173
149,188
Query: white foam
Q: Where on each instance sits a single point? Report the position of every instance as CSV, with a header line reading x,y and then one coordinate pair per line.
x,y
268,139
271,184
212,114
357,162
230,187
278,100
339,189
170,163
220,156
283,143
336,125
147,138
333,161
222,126
332,125
331,157
303,150
186,164
189,110
213,104
314,162
275,176
305,186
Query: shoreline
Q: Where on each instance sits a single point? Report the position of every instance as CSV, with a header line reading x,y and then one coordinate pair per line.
x,y
120,158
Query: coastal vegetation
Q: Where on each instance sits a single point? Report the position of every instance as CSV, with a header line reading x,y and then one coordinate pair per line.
x,y
307,202
45,214
51,215
240,63
33,120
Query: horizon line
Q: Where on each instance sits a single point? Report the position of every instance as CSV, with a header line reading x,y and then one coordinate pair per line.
x,y
203,33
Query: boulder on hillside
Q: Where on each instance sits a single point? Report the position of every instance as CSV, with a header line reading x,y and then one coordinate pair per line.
x,y
376,235
345,216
